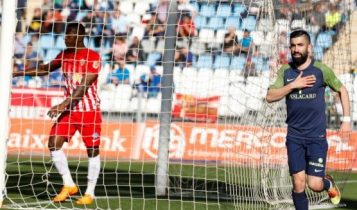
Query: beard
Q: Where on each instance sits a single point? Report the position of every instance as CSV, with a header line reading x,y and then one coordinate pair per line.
x,y
300,60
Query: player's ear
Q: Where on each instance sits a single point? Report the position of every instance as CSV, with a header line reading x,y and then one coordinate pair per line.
x,y
309,49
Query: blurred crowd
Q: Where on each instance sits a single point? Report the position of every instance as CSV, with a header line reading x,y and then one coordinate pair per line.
x,y
132,33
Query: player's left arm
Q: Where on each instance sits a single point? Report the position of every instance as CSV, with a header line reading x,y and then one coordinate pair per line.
x,y
346,119
77,95
333,82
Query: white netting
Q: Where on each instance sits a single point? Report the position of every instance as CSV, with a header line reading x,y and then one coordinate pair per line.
x,y
227,146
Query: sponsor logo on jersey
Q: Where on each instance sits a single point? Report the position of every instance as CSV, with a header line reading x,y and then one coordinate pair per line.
x,y
96,64
295,96
82,62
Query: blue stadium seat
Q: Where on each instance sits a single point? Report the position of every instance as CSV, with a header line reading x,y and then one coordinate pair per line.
x,y
233,22
200,22
221,62
215,23
204,61
208,10
318,52
60,44
47,41
224,10
238,62
51,54
324,40
238,9
249,23
259,63
153,58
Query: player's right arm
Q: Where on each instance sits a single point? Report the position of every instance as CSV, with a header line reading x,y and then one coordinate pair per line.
x,y
42,69
278,90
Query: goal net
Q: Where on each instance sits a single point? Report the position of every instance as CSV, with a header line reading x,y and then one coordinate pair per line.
x,y
182,88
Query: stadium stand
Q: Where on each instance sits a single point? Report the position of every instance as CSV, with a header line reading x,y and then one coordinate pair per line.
x,y
210,19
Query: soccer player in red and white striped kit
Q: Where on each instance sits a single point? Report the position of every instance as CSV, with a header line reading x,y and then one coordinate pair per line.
x,y
80,111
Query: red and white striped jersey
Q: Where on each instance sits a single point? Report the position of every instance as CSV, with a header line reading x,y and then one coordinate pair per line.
x,y
75,65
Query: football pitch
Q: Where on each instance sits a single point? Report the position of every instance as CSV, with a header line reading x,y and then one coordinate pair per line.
x,y
125,185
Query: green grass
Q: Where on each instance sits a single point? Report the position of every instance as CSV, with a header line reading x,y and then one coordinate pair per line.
x,y
124,185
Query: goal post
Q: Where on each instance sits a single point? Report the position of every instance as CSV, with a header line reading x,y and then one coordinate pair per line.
x,y
170,37
8,23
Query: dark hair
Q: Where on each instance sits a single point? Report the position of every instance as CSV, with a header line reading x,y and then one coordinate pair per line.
x,y
300,32
78,27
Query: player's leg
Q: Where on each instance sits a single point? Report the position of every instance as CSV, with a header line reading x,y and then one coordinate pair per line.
x,y
91,136
61,131
317,181
297,164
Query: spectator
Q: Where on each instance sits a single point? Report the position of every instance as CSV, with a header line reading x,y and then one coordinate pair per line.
x,y
249,70
20,14
31,57
120,23
101,28
69,10
150,83
162,10
34,42
333,18
154,27
88,21
35,25
184,5
47,5
283,48
317,18
183,57
230,43
246,43
135,52
20,45
119,76
120,49
52,22
187,26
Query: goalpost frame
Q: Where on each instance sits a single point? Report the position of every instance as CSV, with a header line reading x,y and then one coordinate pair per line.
x,y
8,24
161,181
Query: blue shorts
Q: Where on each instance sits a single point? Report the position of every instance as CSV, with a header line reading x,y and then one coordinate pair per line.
x,y
307,154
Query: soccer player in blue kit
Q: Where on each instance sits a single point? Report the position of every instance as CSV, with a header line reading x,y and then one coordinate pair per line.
x,y
302,82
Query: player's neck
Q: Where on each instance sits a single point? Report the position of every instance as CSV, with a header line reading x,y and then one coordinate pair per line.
x,y
305,65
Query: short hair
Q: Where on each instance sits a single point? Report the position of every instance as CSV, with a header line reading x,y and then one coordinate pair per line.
x,y
300,32
78,27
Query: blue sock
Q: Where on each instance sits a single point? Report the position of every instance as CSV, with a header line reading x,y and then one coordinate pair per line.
x,y
327,184
300,201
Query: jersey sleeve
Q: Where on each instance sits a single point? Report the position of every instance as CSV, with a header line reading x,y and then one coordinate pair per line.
x,y
330,78
279,81
94,63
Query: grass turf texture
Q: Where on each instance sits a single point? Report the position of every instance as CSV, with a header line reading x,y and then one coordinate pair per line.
x,y
125,185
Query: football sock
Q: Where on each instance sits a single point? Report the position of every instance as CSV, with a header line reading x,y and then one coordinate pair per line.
x,y
60,161
93,174
327,184
300,201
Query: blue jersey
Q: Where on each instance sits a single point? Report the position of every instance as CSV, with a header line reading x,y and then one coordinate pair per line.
x,y
306,107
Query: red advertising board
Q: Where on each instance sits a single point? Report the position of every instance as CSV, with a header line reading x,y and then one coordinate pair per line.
x,y
189,141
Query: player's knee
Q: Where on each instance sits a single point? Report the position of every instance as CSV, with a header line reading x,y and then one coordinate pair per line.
x,y
299,184
299,187
55,143
92,151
